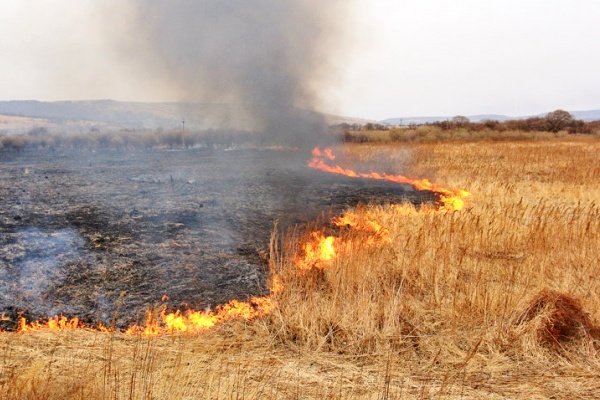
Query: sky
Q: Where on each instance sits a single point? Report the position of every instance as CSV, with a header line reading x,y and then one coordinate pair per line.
x,y
397,58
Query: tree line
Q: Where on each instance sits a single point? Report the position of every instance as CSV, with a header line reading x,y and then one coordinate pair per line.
x,y
555,121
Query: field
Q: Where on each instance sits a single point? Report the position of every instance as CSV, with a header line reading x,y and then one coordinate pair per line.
x,y
498,300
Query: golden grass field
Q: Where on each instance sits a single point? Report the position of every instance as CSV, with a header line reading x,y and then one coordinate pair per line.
x,y
499,300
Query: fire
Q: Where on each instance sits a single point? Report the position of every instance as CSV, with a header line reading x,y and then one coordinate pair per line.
x,y
167,322
318,252
58,323
450,200
276,286
200,321
366,224
327,153
173,322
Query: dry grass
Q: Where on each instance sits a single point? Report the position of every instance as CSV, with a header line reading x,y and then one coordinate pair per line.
x,y
433,134
497,301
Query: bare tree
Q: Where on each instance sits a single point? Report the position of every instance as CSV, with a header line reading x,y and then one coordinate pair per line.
x,y
559,120
460,120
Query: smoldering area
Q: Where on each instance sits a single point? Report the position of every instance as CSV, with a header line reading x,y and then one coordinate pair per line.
x,y
103,235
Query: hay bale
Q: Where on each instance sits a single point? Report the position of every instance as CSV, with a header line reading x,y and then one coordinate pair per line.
x,y
556,318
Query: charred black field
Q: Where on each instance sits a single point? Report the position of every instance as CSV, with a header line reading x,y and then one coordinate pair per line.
x,y
103,235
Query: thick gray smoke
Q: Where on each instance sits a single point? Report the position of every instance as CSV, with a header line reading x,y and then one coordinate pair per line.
x,y
269,58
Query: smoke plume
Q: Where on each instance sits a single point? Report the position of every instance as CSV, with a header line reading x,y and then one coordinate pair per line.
x,y
269,58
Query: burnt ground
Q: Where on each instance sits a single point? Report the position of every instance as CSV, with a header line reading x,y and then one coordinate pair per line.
x,y
104,235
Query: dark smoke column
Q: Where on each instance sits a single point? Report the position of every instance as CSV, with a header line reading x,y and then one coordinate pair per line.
x,y
267,57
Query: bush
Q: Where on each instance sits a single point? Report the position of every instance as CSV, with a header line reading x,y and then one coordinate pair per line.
x,y
13,142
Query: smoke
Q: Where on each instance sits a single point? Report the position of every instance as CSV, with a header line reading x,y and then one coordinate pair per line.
x,y
31,262
269,63
270,58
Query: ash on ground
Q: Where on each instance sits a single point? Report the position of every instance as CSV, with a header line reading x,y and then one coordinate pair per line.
x,y
104,235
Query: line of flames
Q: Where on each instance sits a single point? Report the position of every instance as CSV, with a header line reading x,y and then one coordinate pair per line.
x,y
167,322
319,251
450,200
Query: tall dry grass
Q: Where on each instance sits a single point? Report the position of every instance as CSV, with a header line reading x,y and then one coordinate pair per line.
x,y
499,300
433,134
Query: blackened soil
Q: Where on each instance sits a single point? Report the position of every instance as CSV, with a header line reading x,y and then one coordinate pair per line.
x,y
104,235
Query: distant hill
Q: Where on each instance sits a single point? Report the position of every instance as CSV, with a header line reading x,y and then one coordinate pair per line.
x,y
110,114
428,120
81,116
589,115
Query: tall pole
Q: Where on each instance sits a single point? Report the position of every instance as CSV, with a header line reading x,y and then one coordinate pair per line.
x,y
183,134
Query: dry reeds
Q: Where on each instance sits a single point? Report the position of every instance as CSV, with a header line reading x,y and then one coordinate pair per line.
x,y
122,139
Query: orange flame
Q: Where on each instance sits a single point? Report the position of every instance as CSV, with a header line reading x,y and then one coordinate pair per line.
x,y
57,323
365,223
173,322
199,321
450,200
318,252
276,286
327,153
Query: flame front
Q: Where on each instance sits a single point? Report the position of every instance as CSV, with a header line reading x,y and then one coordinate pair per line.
x,y
319,251
449,200
199,321
170,322
58,323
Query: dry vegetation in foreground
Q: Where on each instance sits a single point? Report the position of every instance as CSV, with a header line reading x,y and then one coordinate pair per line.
x,y
499,300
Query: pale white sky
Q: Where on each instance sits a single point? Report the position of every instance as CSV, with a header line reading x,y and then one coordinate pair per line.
x,y
403,58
